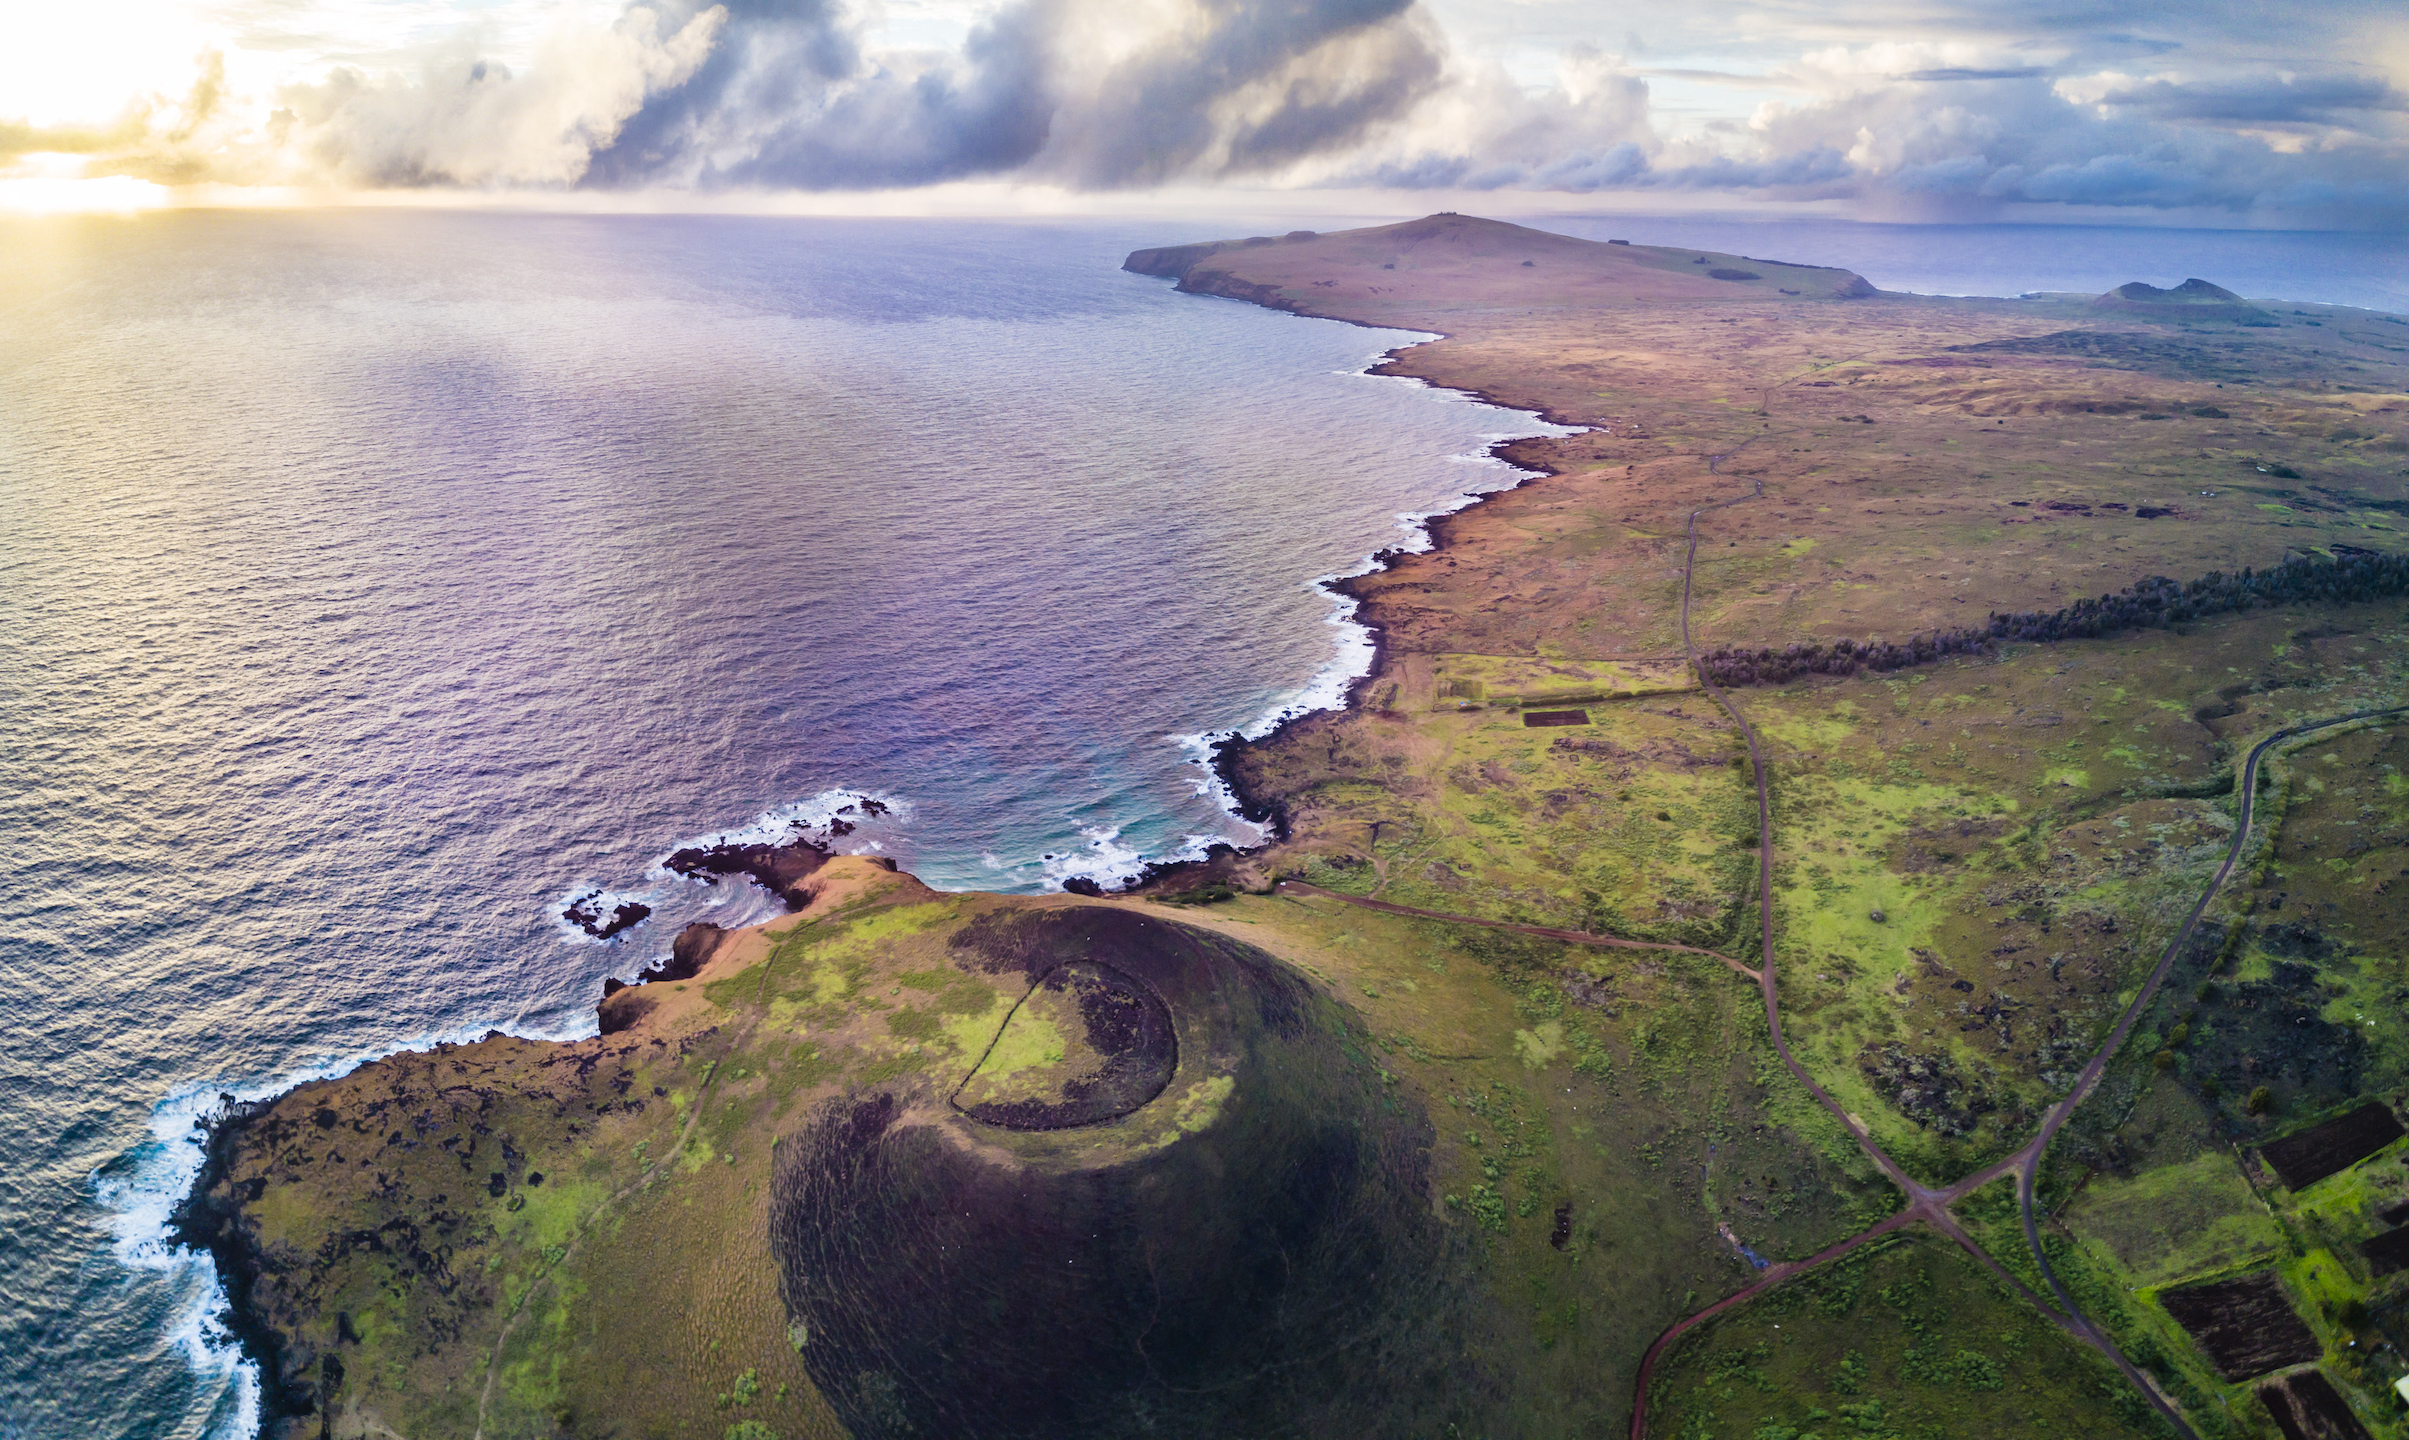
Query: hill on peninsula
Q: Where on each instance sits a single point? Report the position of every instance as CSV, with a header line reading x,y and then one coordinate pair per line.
x,y
1456,261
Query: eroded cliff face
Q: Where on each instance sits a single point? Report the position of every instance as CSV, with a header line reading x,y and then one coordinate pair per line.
x,y
384,1234
2008,588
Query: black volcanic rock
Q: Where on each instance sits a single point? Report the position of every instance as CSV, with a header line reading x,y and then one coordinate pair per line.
x,y
210,1219
587,914
779,869
688,954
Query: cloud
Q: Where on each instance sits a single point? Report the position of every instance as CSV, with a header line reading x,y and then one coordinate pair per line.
x,y
2342,99
1950,128
1087,94
465,120
154,139
1589,131
1937,107
1962,72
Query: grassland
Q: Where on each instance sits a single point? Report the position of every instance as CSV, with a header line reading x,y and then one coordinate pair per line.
x,y
1974,865
1904,1339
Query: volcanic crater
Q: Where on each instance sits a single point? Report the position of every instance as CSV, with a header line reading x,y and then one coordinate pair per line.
x,y
1172,1198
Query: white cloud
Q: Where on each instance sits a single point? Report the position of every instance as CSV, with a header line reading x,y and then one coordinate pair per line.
x,y
467,120
1948,105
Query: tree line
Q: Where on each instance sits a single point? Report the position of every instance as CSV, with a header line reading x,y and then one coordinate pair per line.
x,y
2157,603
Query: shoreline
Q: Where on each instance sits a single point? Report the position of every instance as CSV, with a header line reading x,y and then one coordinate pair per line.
x,y
221,1204
1224,749
212,1233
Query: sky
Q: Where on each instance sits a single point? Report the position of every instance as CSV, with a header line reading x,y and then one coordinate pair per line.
x,y
2205,111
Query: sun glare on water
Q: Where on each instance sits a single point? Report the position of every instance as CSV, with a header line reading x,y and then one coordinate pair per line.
x,y
44,184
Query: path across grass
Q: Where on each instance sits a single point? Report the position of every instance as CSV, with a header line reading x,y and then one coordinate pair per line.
x,y
1926,1204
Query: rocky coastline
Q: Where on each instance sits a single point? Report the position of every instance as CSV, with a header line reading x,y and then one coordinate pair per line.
x,y
209,1220
1224,864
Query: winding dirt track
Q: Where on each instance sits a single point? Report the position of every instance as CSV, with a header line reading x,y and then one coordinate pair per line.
x,y
1925,1203
2027,1161
1928,1205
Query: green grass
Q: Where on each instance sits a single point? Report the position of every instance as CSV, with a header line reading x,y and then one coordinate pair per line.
x,y
1911,1340
2177,1221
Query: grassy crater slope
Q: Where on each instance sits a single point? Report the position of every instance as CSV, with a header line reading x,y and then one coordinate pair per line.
x,y
1401,1175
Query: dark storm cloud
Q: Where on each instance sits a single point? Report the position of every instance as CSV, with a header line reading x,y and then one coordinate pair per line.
x,y
788,97
780,66
2264,100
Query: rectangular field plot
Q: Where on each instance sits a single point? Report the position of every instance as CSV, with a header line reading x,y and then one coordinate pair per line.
x,y
2304,1159
2175,1221
1538,682
2387,1252
2246,1324
2307,1407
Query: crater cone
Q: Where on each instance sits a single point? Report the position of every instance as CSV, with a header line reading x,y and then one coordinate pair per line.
x,y
1174,1198
1088,1044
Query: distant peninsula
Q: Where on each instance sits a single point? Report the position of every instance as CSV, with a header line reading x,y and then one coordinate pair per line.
x,y
1872,887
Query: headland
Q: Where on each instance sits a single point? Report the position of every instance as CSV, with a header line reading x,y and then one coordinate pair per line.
x,y
2004,689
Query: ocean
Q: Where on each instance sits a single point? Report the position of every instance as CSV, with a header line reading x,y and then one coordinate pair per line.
x,y
372,583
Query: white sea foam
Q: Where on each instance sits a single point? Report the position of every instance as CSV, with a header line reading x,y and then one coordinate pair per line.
x,y
1355,649
1237,829
1105,859
748,904
812,818
601,899
138,1192
198,1333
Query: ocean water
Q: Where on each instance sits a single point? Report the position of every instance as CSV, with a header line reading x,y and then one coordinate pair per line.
x,y
2365,268
372,583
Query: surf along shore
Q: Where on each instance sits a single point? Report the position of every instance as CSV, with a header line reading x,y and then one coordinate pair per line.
x,y
1526,1095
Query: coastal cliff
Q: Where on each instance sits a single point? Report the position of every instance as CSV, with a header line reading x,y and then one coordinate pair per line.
x,y
1465,1083
454,1242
